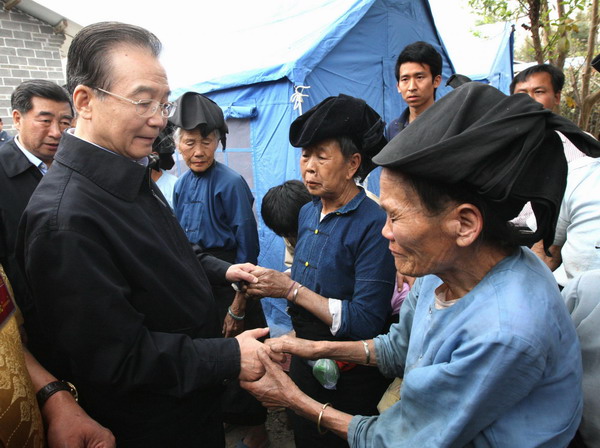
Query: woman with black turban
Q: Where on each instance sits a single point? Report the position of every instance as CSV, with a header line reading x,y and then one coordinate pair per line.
x,y
343,275
485,345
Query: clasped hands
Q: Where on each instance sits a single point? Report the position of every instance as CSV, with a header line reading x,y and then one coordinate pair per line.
x,y
258,282
275,388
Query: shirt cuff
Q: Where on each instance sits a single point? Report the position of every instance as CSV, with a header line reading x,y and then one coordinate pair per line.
x,y
335,309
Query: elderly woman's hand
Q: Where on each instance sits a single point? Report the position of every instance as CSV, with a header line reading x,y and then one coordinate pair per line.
x,y
275,388
270,283
293,345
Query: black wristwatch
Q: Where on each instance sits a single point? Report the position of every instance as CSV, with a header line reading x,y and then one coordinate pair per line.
x,y
51,388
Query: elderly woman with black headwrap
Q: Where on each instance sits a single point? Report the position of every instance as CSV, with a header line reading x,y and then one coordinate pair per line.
x,y
343,275
485,345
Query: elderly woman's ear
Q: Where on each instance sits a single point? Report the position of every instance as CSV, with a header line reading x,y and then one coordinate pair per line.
x,y
464,223
353,165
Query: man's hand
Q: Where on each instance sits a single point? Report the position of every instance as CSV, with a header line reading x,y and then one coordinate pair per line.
x,y
251,368
275,388
241,273
70,427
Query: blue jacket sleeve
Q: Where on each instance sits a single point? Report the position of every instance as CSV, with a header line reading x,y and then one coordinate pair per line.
x,y
441,408
366,314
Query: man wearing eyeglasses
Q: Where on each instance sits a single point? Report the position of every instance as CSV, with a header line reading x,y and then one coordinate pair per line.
x,y
122,305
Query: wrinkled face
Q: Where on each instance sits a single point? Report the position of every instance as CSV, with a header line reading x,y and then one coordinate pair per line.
x,y
41,128
324,169
539,87
198,151
417,85
115,125
420,243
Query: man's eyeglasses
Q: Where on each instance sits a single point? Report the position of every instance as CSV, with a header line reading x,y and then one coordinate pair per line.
x,y
146,108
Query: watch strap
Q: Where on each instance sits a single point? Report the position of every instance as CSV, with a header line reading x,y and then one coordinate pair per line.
x,y
51,388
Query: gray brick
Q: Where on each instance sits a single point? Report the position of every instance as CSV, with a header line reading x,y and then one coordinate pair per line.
x,y
3,59
8,25
36,62
22,35
6,33
39,74
53,63
33,45
43,54
12,81
8,51
6,90
15,60
46,29
33,28
57,75
25,18
20,73
4,72
16,43
25,52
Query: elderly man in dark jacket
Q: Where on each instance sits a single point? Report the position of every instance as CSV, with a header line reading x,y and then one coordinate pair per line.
x,y
121,305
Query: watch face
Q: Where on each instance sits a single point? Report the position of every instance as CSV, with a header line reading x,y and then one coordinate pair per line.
x,y
73,390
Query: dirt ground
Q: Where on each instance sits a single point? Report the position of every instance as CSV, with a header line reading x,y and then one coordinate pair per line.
x,y
279,435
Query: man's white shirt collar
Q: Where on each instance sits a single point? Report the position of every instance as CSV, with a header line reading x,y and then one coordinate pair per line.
x,y
39,164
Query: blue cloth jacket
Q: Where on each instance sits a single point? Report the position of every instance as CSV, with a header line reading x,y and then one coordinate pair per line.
x,y
499,368
344,257
215,210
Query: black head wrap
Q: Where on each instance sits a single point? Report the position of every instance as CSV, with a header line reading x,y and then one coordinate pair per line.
x,y
196,110
165,147
342,116
596,63
505,147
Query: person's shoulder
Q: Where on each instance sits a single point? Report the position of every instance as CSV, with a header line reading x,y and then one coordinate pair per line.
x,y
224,171
227,178
370,208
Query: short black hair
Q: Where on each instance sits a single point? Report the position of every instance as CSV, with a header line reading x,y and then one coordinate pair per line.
x,y
421,53
21,97
556,75
89,59
281,206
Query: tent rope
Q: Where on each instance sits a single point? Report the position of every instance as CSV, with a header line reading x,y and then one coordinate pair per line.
x,y
298,97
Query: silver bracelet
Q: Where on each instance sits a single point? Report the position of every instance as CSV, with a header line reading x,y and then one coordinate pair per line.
x,y
295,295
367,352
235,316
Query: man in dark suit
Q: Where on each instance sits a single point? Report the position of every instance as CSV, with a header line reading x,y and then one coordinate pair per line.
x,y
41,111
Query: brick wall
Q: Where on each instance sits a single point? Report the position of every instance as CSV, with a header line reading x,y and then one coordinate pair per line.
x,y
29,49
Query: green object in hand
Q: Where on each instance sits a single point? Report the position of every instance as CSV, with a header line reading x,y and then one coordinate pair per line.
x,y
326,372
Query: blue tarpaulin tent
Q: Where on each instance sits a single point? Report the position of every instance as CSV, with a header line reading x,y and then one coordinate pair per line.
x,y
340,47
495,57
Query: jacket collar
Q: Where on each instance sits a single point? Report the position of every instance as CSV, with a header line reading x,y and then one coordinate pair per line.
x,y
118,175
14,161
